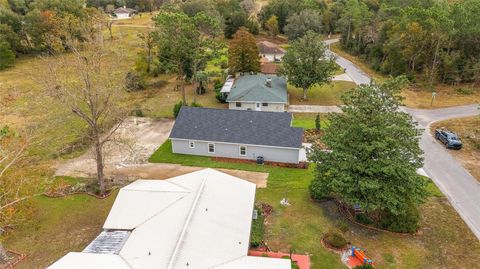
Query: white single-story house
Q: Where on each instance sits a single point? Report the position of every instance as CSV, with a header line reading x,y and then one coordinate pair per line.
x,y
270,51
258,92
124,13
238,134
199,220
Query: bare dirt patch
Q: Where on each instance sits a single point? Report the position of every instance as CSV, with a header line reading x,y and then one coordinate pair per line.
x,y
468,129
126,159
166,170
134,142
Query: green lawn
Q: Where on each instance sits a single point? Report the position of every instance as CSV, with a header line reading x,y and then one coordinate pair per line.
x,y
300,226
326,95
59,225
307,120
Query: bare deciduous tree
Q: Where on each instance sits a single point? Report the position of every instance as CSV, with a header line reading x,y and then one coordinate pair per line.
x,y
82,82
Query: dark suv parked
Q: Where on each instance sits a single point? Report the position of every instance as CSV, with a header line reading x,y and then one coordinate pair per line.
x,y
449,139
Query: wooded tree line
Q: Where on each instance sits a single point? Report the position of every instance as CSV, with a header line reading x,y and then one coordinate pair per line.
x,y
434,40
39,26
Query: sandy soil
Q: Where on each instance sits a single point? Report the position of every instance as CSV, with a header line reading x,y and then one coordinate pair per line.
x,y
166,170
126,159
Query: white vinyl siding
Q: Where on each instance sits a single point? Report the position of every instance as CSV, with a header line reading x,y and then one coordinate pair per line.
x,y
231,150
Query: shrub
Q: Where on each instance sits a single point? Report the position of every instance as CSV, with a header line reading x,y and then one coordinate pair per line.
x,y
317,122
176,109
342,225
220,97
7,57
317,190
335,240
196,105
134,82
403,223
137,112
465,91
364,219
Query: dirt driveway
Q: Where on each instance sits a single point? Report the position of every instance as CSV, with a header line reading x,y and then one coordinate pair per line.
x,y
127,158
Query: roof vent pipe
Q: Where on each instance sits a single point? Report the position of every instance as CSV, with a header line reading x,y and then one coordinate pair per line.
x,y
268,83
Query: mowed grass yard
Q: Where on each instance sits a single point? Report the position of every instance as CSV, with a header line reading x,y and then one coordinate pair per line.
x,y
325,95
468,129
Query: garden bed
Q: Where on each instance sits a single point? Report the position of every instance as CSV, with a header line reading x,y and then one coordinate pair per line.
x,y
301,165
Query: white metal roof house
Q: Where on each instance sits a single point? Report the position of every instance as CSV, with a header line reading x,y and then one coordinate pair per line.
x,y
238,134
198,220
124,12
258,92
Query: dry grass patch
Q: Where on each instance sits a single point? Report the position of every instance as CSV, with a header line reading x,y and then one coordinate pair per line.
x,y
446,96
468,129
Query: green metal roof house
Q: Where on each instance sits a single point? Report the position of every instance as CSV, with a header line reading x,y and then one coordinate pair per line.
x,y
258,92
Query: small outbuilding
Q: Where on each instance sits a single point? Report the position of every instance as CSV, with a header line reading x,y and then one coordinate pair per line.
x,y
124,13
237,134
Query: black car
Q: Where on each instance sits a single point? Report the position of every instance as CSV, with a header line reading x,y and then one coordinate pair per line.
x,y
448,138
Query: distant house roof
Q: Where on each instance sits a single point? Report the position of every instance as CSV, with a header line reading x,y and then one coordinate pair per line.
x,y
254,88
269,68
198,220
124,10
237,126
267,47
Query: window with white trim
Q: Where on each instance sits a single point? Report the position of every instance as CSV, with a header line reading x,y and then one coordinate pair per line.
x,y
264,104
238,104
211,148
191,144
243,150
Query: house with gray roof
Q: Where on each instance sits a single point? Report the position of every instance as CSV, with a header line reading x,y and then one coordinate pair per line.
x,y
270,51
258,92
237,134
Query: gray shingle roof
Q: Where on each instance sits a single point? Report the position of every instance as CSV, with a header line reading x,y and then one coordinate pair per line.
x,y
237,126
253,88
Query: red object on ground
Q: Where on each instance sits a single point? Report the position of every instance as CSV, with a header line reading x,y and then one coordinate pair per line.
x,y
358,259
303,261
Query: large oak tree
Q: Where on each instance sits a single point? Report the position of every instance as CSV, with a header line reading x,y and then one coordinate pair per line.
x,y
307,63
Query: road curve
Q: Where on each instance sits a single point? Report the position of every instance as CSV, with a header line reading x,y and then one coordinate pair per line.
x,y
458,185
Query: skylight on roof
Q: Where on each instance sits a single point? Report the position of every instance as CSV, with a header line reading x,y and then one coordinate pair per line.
x,y
108,242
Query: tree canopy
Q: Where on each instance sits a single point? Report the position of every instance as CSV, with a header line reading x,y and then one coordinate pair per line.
x,y
373,152
435,41
306,63
243,54
306,20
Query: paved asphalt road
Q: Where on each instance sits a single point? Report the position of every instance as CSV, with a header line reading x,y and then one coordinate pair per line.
x,y
355,73
460,187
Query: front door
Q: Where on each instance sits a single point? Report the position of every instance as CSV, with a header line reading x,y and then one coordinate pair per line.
x,y
258,106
